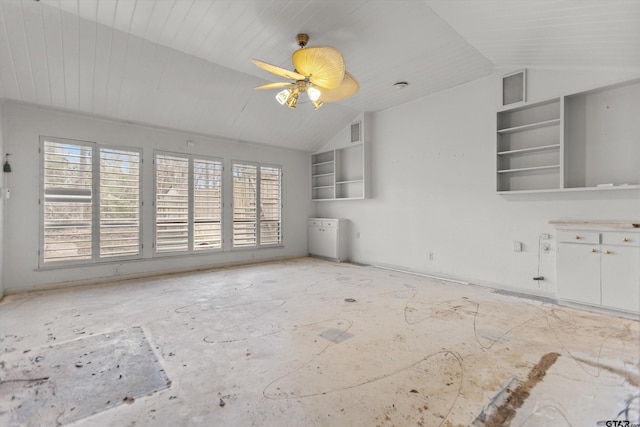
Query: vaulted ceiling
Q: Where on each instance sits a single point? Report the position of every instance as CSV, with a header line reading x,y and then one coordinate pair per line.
x,y
186,64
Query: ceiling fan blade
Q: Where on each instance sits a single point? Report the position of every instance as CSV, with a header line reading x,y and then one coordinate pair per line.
x,y
278,71
348,88
275,85
323,65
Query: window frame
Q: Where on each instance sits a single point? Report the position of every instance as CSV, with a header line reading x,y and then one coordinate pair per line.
x,y
95,204
190,205
258,166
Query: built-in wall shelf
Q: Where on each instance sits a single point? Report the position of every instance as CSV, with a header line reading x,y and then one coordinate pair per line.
x,y
577,142
574,190
527,150
533,168
342,173
529,126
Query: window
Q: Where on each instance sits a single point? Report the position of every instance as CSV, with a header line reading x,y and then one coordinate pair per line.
x,y
188,203
257,205
90,203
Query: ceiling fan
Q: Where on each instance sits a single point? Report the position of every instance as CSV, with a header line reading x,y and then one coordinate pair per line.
x,y
319,71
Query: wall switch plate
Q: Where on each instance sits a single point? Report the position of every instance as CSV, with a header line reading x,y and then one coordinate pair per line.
x,y
545,236
517,246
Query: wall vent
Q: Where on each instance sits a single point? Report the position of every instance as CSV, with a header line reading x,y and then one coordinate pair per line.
x,y
356,132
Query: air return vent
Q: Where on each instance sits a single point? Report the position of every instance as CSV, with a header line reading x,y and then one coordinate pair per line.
x,y
356,132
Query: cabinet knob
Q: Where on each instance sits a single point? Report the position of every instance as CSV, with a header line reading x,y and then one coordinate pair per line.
x,y
607,251
625,240
577,237
593,250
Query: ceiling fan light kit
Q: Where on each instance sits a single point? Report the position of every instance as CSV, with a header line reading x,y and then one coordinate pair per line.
x,y
319,71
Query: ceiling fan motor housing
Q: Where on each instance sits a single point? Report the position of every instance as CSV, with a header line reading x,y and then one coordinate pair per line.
x,y
302,39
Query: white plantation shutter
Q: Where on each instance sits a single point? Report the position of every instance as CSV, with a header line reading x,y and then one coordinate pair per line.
x,y
207,204
119,203
68,202
188,203
91,202
172,203
245,214
257,205
270,205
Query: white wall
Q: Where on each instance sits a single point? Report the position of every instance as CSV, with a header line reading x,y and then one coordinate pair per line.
x,y
23,126
2,193
433,190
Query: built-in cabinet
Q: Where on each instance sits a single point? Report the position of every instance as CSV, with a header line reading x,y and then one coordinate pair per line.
x,y
328,238
341,173
586,140
600,267
338,174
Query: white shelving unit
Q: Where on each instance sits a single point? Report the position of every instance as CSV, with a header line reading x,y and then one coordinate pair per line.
x,y
583,141
323,175
341,173
529,147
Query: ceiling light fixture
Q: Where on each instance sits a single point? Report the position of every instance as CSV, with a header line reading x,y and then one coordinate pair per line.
x,y
400,85
318,71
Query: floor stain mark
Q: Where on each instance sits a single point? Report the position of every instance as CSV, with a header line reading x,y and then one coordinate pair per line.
x,y
336,336
630,377
501,415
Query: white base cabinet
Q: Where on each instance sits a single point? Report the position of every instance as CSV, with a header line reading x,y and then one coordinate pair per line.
x,y
600,268
328,238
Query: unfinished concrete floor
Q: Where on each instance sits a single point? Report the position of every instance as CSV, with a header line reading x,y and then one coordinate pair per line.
x,y
279,344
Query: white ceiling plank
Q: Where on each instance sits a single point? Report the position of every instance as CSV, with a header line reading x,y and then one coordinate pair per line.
x,y
87,53
217,12
159,17
141,18
106,12
193,20
33,27
17,40
55,55
586,33
130,78
141,85
221,36
124,14
104,53
10,86
175,22
88,9
119,48
69,26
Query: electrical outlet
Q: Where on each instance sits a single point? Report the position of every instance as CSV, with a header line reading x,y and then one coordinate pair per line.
x,y
545,236
430,256
517,246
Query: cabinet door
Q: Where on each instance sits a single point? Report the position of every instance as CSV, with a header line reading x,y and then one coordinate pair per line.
x,y
579,272
315,238
322,241
621,277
